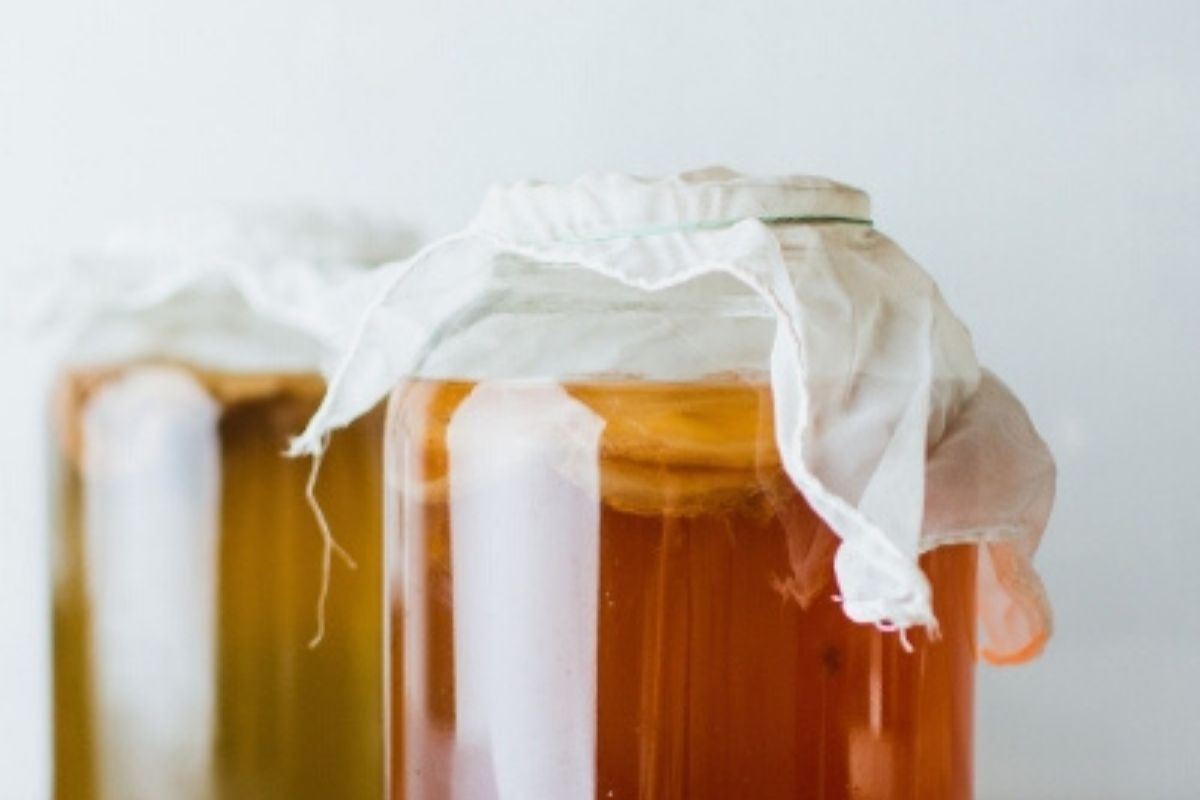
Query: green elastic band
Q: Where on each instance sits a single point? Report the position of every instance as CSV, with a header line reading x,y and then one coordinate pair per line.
x,y
706,225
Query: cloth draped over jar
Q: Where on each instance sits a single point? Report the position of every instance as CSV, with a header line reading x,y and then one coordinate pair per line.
x,y
256,290
884,419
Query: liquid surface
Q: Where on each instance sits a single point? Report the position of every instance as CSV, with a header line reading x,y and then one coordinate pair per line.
x,y
188,568
614,591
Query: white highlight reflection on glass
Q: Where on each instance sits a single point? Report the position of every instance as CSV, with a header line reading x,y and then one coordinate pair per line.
x,y
525,517
151,487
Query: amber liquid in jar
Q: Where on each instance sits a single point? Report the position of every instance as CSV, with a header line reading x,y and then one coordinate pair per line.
x,y
188,568
612,590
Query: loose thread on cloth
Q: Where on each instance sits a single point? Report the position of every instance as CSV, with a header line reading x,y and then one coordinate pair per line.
x,y
330,545
932,629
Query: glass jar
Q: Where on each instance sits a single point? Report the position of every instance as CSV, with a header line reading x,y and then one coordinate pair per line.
x,y
612,589
693,488
189,577
188,572
607,585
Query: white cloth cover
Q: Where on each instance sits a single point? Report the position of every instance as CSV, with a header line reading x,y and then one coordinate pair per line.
x,y
258,291
884,419
264,290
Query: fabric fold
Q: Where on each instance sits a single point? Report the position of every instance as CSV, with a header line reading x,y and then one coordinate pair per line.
x,y
875,383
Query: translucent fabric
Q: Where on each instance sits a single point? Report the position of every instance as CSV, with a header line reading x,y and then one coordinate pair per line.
x,y
880,407
257,291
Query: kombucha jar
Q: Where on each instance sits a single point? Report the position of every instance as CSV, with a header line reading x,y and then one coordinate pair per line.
x,y
188,561
685,498
612,587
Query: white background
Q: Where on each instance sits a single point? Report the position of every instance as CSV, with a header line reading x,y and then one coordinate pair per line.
x,y
1039,158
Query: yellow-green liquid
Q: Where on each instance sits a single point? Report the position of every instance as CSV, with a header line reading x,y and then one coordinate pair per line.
x,y
190,676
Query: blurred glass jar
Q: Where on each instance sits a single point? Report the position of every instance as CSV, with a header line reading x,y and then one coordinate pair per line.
x,y
188,563
655,452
